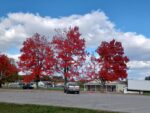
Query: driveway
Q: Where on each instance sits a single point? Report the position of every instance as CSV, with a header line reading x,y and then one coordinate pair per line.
x,y
113,102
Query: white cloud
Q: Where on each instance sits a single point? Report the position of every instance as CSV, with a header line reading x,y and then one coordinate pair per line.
x,y
133,65
95,27
14,56
16,27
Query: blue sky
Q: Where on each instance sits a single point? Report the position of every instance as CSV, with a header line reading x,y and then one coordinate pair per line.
x,y
99,20
128,15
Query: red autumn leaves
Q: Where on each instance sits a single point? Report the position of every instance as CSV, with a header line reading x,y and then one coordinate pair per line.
x,y
37,58
70,53
66,54
112,60
7,68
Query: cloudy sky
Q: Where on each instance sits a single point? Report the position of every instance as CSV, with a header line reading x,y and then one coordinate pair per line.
x,y
99,20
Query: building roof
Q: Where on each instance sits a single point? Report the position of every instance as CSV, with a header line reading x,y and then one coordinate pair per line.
x,y
99,83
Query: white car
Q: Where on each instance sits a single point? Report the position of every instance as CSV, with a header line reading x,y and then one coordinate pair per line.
x,y
40,84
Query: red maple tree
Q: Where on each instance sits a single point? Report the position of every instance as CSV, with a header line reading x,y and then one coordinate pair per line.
x,y
7,68
70,50
112,60
37,58
90,69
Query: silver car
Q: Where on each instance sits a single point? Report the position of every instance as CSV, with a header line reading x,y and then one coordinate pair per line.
x,y
71,87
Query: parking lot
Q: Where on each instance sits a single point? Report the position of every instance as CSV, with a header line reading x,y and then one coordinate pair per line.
x,y
113,102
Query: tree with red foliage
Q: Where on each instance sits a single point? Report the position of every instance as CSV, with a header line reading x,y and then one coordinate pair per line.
x,y
90,69
70,50
7,68
37,58
112,60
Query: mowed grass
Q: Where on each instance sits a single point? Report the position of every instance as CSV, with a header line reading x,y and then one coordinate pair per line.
x,y
146,93
19,108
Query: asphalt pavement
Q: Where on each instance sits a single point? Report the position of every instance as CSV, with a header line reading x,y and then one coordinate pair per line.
x,y
102,101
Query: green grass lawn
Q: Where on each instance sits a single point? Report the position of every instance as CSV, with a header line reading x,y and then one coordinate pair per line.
x,y
17,108
56,88
146,93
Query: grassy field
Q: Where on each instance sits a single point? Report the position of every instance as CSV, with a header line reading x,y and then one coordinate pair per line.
x,y
17,108
146,93
56,88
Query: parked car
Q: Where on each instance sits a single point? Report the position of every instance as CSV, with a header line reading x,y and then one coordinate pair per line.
x,y
71,87
27,86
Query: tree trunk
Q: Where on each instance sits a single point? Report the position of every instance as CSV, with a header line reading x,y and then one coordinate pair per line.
x,y
0,85
1,77
103,84
65,78
37,86
37,81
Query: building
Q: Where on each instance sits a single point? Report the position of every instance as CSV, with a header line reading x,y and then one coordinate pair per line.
x,y
117,86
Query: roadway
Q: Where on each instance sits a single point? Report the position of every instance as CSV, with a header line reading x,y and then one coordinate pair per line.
x,y
112,102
